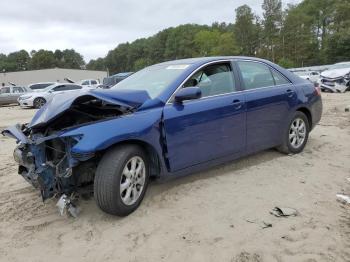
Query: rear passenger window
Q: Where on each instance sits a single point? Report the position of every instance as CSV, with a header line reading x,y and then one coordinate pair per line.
x,y
255,75
213,80
279,79
5,90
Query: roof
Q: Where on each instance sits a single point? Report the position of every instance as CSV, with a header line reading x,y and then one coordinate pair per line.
x,y
201,60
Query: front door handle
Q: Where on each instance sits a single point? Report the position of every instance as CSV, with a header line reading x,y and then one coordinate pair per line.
x,y
237,104
290,92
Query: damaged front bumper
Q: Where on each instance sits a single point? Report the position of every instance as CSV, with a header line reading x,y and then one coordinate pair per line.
x,y
46,162
335,85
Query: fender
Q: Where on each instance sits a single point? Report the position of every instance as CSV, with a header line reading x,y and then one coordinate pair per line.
x,y
142,126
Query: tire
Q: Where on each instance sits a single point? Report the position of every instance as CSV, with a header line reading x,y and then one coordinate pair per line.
x,y
110,192
39,102
291,144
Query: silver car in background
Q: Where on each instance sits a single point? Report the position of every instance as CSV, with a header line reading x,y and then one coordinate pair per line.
x,y
336,79
10,94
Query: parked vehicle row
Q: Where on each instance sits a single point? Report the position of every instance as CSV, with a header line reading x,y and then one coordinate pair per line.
x,y
335,79
37,94
39,97
168,119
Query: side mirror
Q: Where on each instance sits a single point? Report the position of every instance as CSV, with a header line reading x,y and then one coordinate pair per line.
x,y
188,93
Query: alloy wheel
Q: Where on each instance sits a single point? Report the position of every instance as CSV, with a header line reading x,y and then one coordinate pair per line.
x,y
132,180
297,133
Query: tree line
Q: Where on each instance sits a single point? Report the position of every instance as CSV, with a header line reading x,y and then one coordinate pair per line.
x,y
41,59
314,32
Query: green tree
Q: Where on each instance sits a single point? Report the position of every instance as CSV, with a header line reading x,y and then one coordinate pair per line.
x,y
43,59
272,24
98,64
246,32
72,59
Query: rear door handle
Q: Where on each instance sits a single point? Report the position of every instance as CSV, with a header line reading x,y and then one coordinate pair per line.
x,y
290,92
237,104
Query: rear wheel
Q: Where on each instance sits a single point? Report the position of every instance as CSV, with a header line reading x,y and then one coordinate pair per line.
x,y
39,102
295,138
121,180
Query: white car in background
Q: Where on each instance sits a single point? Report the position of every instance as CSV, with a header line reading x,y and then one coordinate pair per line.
x,y
38,98
312,76
336,79
89,83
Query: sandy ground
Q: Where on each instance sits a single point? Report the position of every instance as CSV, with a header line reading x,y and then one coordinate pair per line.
x,y
216,215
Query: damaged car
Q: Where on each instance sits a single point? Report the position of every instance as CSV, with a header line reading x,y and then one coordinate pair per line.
x,y
167,120
336,79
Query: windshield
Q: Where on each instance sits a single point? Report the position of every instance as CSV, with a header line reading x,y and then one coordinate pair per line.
x,y
154,80
340,66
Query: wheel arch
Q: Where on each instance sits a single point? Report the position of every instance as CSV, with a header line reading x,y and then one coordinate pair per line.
x,y
154,158
307,112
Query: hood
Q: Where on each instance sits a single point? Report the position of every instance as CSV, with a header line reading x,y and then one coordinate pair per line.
x,y
61,102
335,73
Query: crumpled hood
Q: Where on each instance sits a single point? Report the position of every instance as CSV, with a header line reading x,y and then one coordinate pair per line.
x,y
335,73
61,102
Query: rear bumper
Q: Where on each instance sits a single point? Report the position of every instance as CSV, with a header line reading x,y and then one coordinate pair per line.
x,y
316,111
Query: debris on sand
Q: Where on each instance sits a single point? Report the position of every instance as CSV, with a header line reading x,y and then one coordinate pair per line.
x,y
66,206
343,198
284,212
262,224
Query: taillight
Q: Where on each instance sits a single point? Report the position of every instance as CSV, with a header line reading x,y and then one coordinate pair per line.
x,y
317,88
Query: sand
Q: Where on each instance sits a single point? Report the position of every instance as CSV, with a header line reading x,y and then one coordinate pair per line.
x,y
217,215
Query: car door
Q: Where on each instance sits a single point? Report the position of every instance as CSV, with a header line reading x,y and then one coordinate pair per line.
x,y
208,128
269,96
5,97
17,91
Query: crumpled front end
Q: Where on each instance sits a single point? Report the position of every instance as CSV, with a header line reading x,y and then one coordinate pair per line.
x,y
44,152
335,85
46,162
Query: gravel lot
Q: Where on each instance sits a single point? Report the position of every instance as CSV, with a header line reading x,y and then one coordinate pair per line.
x,y
216,215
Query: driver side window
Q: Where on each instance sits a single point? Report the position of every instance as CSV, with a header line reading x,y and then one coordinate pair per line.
x,y
5,90
213,80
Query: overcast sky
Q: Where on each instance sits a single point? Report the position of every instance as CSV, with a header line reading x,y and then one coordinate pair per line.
x,y
93,27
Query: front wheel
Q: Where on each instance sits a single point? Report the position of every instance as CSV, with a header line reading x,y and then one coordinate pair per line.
x,y
121,180
296,137
39,102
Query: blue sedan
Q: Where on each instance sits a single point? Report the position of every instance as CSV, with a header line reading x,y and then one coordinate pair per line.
x,y
168,119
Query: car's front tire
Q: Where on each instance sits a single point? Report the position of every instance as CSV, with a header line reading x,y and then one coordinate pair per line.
x,y
296,135
121,179
39,102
